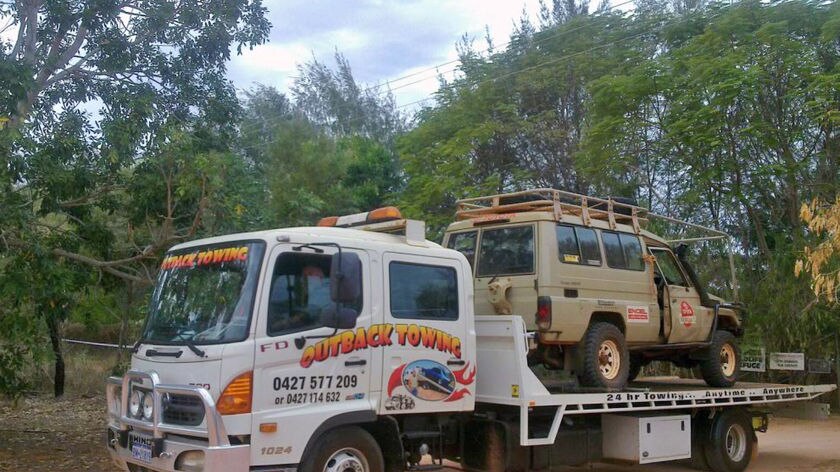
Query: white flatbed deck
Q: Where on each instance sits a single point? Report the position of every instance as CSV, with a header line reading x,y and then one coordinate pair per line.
x,y
502,344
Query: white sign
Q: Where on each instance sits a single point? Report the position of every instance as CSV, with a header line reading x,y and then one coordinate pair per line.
x,y
787,361
752,360
637,314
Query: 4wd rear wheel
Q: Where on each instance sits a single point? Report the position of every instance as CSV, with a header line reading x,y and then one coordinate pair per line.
x,y
349,449
720,364
605,360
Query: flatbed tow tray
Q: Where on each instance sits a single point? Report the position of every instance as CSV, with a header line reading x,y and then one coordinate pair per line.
x,y
502,344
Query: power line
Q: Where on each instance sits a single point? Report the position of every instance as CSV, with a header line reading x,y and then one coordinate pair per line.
x,y
551,61
487,50
544,39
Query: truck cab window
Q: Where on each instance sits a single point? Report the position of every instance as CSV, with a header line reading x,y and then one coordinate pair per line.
x,y
300,292
420,291
465,244
506,251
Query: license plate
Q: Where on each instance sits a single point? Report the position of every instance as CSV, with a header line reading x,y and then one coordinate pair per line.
x,y
141,447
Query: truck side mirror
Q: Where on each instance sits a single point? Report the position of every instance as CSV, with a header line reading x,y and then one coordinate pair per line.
x,y
345,277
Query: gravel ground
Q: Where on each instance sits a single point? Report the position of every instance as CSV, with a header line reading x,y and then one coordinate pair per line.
x,y
42,434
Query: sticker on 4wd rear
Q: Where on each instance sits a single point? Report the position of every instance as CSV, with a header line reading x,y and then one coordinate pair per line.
x,y
637,314
687,314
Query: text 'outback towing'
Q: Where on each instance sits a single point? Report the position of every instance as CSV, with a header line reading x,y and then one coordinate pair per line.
x,y
334,348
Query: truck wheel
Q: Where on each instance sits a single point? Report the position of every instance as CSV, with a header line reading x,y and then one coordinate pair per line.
x,y
720,365
730,443
606,362
345,449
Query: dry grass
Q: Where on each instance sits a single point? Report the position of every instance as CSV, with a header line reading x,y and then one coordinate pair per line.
x,y
86,369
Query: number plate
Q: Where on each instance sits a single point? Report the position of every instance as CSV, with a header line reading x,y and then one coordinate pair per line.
x,y
140,446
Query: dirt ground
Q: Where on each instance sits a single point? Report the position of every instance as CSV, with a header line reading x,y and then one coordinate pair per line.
x,y
41,434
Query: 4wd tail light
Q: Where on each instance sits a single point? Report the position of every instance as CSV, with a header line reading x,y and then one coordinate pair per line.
x,y
543,313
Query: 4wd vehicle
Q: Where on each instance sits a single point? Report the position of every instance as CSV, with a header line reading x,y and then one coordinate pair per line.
x,y
604,295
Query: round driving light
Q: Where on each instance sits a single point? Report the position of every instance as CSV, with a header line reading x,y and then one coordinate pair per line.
x,y
135,403
148,406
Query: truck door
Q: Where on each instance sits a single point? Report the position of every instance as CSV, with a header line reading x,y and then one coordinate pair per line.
x,y
304,373
428,366
681,300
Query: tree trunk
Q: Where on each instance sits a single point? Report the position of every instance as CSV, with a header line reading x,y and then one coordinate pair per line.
x,y
55,340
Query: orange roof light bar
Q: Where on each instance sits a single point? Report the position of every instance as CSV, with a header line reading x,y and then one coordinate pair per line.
x,y
378,215
328,221
384,214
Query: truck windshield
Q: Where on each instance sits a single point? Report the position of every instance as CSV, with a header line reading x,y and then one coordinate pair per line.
x,y
205,295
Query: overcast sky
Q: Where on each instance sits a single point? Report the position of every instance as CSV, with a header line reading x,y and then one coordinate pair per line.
x,y
383,40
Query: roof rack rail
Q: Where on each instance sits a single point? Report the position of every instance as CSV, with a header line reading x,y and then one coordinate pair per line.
x,y
562,203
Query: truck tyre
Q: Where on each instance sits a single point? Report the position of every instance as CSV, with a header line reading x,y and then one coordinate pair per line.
x,y
343,449
730,442
720,364
699,438
606,361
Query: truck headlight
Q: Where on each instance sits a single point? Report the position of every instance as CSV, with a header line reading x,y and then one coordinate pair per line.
x,y
148,406
135,403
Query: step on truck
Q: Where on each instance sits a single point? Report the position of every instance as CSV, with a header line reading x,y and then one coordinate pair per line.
x,y
336,348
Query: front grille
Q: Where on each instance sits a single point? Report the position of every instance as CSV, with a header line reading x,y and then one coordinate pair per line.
x,y
186,410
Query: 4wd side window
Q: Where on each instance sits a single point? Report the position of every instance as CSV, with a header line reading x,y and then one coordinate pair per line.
x,y
506,251
669,268
578,245
623,251
465,244
420,291
300,293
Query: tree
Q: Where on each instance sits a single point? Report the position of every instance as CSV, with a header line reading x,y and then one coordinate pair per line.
x,y
821,260
146,68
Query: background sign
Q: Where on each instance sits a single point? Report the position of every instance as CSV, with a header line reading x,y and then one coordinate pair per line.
x,y
753,360
787,361
819,366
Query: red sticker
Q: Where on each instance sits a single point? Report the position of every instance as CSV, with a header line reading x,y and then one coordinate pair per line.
x,y
686,314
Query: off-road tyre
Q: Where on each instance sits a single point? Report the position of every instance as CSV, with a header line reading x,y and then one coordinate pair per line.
x,y
730,441
605,361
720,364
352,445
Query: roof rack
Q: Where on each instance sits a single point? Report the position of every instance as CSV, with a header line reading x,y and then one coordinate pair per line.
x,y
562,203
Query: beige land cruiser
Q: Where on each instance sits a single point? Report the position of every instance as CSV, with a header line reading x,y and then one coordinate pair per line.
x,y
603,295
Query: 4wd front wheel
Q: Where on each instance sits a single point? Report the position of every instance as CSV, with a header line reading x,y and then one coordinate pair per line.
x,y
720,364
345,449
605,359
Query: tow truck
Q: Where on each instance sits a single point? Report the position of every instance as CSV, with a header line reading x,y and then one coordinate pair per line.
x,y
313,349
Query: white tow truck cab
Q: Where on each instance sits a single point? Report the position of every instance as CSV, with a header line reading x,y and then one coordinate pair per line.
x,y
334,348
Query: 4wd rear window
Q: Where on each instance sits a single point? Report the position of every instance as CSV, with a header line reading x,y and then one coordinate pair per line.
x,y
623,251
465,244
506,251
578,245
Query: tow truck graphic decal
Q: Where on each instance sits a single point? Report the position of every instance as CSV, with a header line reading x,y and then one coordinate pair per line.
x,y
431,381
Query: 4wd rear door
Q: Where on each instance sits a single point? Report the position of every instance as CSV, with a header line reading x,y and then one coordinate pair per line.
x,y
507,255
